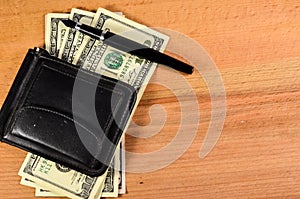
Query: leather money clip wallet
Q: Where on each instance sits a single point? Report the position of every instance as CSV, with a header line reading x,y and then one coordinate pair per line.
x,y
37,114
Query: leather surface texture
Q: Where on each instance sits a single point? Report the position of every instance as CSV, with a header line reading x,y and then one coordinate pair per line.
x,y
65,114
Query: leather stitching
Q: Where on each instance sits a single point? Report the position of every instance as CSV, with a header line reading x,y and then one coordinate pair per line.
x,y
128,105
57,113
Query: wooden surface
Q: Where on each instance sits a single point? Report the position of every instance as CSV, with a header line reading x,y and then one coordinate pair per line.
x,y
255,45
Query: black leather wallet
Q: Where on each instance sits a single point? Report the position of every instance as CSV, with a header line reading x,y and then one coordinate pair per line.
x,y
50,111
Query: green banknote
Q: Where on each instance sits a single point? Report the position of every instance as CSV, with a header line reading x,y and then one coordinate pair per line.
x,y
61,180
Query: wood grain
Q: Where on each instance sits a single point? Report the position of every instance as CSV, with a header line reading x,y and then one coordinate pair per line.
x,y
255,45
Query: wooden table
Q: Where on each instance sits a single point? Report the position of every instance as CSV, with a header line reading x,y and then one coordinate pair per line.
x,y
256,48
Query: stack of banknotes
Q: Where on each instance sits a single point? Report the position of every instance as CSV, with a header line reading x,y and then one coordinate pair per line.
x,y
50,178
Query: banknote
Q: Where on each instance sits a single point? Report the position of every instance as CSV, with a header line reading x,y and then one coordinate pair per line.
x,y
54,31
38,190
122,178
46,193
97,57
73,39
110,186
60,179
27,182
100,58
108,191
111,183
114,182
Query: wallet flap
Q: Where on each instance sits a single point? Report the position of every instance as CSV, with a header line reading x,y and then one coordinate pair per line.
x,y
39,126
11,102
66,114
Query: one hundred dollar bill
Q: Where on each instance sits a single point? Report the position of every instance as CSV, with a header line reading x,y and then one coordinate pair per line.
x,y
40,192
73,39
114,182
110,186
97,57
54,32
100,58
111,183
61,180
27,182
122,177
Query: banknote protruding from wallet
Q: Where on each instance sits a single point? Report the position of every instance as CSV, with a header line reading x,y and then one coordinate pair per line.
x,y
71,103
43,115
